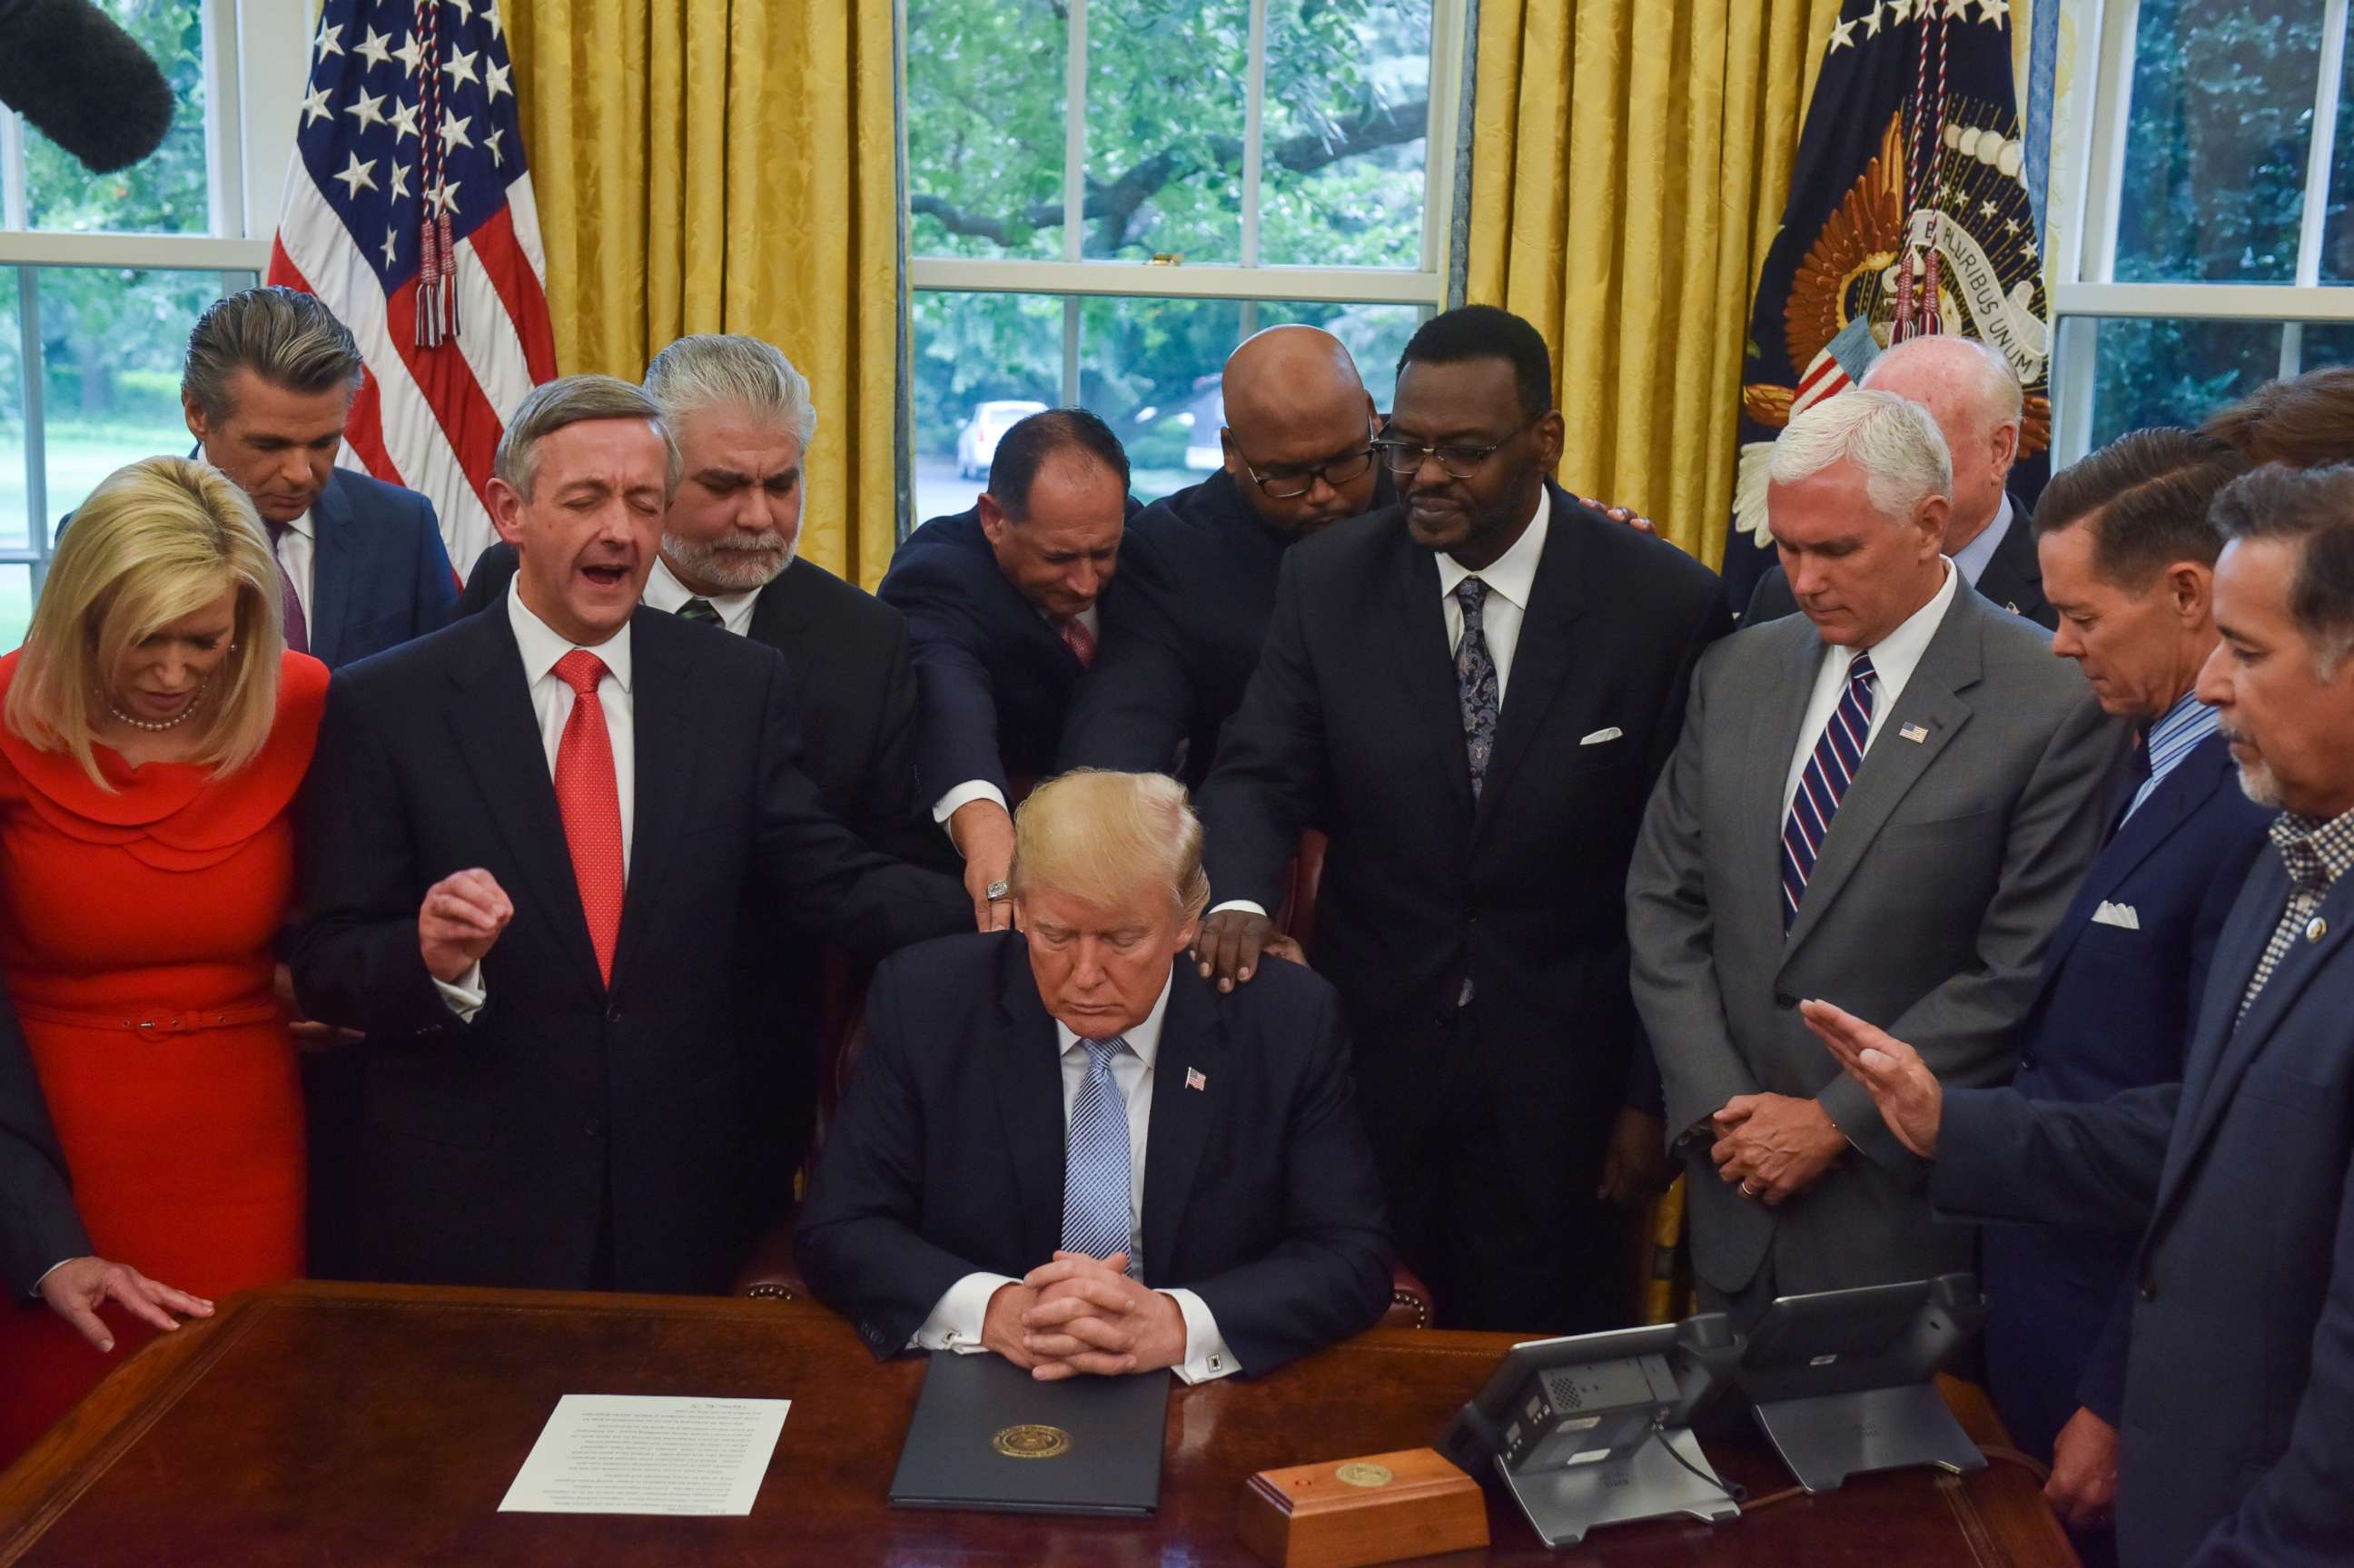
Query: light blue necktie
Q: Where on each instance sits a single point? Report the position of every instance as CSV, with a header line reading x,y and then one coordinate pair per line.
x,y
1095,1165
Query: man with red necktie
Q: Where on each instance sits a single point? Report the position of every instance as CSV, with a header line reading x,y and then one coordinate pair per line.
x,y
526,843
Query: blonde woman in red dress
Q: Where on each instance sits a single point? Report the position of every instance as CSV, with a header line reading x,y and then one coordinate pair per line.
x,y
154,730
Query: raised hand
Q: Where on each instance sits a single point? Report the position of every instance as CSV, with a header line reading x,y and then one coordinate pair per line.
x,y
1911,1100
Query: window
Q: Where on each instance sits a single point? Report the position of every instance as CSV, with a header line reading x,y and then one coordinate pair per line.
x,y
2218,243
1105,197
101,275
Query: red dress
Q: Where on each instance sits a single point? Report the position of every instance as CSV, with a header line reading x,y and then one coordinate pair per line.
x,y
135,931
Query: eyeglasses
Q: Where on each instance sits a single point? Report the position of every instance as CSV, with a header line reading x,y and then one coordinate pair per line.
x,y
1290,486
1403,457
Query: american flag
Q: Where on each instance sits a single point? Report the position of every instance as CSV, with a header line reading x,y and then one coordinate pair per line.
x,y
409,211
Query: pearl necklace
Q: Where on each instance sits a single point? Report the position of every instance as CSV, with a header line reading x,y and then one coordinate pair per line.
x,y
184,716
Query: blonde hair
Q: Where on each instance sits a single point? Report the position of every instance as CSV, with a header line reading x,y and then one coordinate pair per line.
x,y
1100,836
157,541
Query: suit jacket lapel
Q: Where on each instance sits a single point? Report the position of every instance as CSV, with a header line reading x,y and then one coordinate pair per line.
x,y
497,732
332,525
1793,652
1431,701
2187,788
1949,665
2232,1046
1541,658
1028,1074
1180,1124
664,713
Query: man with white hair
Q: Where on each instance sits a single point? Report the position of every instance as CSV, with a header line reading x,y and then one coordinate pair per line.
x,y
1887,803
1974,395
1065,1147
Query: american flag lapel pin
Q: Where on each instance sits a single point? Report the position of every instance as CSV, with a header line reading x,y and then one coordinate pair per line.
x,y
1915,732
1195,1080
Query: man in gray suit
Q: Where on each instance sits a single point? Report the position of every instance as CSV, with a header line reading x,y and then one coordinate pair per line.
x,y
1888,802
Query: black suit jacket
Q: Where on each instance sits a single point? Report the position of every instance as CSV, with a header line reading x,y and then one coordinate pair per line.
x,y
1259,1192
993,678
853,694
39,1227
1353,725
2013,580
2237,1446
1197,576
2112,1012
494,1147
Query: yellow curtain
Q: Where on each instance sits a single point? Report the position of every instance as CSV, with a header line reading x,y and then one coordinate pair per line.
x,y
1630,163
731,166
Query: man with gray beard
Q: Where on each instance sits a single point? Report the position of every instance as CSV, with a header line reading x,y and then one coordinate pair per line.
x,y
744,421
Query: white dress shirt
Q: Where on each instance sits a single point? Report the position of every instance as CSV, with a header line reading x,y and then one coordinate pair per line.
x,y
1510,579
973,789
665,592
1894,659
1972,557
551,700
956,1319
297,548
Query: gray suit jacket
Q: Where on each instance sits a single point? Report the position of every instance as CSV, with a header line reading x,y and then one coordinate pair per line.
x,y
1948,865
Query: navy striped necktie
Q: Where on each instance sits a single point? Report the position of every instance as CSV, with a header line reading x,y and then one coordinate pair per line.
x,y
1829,771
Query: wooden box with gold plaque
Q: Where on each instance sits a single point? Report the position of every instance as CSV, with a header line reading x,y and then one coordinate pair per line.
x,y
1378,1508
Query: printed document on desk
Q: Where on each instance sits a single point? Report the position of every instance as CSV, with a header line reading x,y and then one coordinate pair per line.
x,y
627,1453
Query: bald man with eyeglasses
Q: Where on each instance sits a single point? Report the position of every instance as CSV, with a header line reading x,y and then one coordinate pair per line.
x,y
1198,568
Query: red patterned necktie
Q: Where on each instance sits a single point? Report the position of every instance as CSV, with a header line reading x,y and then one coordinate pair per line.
x,y
591,802
1081,641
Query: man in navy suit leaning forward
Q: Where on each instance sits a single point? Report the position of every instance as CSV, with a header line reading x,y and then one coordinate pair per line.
x,y
2237,1446
2128,561
1065,1147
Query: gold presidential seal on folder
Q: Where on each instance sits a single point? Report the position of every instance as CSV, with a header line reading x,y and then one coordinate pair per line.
x,y
1031,1441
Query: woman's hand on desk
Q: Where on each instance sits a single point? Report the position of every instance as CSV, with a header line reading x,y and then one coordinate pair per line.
x,y
77,1287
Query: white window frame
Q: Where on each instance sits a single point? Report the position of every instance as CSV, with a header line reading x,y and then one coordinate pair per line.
x,y
257,59
1249,279
2088,287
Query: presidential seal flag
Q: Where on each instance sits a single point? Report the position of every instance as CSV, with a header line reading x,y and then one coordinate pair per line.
x,y
409,211
1909,212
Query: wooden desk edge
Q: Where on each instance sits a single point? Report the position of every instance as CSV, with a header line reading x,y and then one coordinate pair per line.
x,y
52,1474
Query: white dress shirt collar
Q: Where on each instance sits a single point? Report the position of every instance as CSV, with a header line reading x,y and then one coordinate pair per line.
x,y
1513,574
543,646
1144,1039
665,592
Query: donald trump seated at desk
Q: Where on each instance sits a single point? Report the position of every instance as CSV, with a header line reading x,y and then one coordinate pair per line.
x,y
1063,1147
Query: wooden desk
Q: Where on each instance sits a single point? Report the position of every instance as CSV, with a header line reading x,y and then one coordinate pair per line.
x,y
360,1425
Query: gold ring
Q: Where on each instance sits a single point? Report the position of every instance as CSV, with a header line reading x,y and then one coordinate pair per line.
x,y
1749,1191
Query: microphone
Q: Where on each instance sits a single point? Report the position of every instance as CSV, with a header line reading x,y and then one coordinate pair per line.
x,y
82,82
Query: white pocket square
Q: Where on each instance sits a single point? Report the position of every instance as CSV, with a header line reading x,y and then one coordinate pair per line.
x,y
1599,736
2121,916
